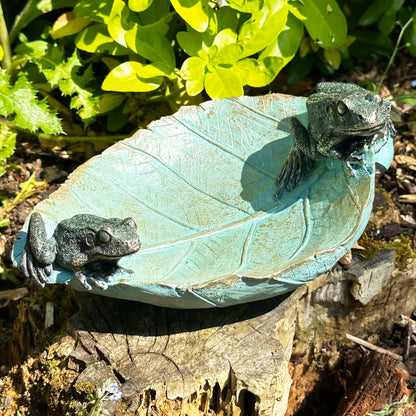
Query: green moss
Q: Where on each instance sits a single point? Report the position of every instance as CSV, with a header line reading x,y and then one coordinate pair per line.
x,y
402,245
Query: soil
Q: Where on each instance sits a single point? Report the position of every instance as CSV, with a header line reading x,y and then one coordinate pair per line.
x,y
316,390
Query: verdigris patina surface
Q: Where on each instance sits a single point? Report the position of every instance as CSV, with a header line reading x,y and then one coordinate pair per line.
x,y
201,187
77,242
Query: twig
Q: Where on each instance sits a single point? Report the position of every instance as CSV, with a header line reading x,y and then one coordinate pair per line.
x,y
373,347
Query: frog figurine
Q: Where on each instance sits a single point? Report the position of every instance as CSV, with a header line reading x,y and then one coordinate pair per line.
x,y
76,243
344,121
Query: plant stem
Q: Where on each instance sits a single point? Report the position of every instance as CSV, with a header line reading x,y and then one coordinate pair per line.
x,y
20,20
393,55
5,42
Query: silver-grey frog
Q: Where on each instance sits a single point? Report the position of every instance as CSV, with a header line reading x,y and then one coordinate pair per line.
x,y
76,243
344,120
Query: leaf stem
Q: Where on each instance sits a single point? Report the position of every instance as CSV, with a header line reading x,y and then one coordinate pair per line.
x,y
5,42
20,20
393,55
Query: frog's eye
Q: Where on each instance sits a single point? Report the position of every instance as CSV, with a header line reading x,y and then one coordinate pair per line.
x,y
341,108
104,237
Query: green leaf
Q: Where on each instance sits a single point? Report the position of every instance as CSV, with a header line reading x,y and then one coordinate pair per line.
x,y
193,68
325,22
227,18
65,75
95,39
20,104
284,47
150,42
263,27
7,141
139,5
386,23
414,22
333,57
192,42
373,12
96,10
36,48
125,78
410,39
223,83
193,71
229,54
246,6
122,20
109,102
298,69
68,24
196,13
158,10
258,73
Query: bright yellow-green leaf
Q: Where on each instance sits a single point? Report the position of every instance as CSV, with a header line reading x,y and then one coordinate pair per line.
x,y
223,83
109,101
246,6
125,78
258,74
68,24
193,68
229,54
122,19
139,5
1,53
95,39
195,87
287,43
157,69
96,10
333,57
263,27
225,37
197,13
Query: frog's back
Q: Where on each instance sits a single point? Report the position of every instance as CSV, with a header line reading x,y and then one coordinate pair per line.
x,y
80,221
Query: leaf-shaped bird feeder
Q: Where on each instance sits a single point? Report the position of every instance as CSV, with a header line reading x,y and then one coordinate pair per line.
x,y
200,185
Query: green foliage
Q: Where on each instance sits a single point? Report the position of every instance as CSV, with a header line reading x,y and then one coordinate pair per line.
x,y
391,408
113,60
20,103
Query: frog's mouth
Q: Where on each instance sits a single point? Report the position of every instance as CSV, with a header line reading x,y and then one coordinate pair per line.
x,y
353,140
362,131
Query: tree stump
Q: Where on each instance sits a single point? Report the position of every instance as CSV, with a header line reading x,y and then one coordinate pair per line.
x,y
215,358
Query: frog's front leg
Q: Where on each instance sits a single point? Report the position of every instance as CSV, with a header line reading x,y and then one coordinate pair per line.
x,y
87,282
297,162
39,252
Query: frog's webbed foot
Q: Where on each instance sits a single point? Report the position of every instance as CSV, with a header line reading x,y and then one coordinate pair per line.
x,y
33,269
293,170
298,162
39,252
88,282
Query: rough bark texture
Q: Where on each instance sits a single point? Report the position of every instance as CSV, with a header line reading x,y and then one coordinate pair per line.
x,y
229,356
379,382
